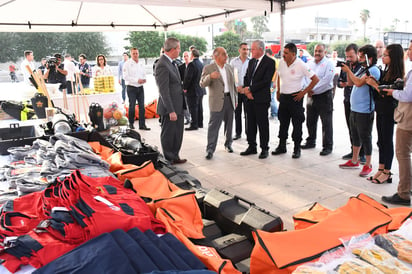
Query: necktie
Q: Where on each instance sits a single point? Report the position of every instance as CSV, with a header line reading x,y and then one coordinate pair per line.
x,y
254,66
174,63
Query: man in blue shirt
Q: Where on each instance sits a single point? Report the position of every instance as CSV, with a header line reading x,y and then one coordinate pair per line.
x,y
362,108
301,56
320,102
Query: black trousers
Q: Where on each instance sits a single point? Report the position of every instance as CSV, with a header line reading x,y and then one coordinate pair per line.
x,y
241,102
200,111
290,109
193,105
384,126
136,93
320,106
257,117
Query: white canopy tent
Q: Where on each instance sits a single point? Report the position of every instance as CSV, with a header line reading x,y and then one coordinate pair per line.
x,y
132,15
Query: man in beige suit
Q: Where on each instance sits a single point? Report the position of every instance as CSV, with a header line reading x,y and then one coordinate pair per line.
x,y
222,100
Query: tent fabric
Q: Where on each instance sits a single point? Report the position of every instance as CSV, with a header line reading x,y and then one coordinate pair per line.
x,y
130,15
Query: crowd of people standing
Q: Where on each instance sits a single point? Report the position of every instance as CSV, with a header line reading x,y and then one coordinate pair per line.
x,y
366,76
254,84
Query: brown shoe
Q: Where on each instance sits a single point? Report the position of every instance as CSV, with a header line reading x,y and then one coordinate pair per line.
x,y
178,161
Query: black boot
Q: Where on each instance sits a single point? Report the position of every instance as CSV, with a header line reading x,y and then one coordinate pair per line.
x,y
281,148
296,151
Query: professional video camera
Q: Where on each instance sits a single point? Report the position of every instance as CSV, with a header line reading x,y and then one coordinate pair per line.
x,y
398,84
51,61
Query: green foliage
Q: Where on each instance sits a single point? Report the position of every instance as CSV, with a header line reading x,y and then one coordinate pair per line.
x,y
8,49
340,48
260,25
237,26
91,44
311,47
12,45
188,40
230,41
149,43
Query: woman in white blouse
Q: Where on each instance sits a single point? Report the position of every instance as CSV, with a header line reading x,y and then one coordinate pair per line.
x,y
101,69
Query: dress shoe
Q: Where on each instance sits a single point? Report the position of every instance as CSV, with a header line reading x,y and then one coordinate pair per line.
x,y
191,128
396,200
296,153
187,122
325,151
144,128
347,156
131,126
308,145
249,151
229,149
279,150
264,154
178,161
200,126
236,137
209,155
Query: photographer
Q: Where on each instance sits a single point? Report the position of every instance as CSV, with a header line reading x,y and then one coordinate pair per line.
x,y
351,55
362,108
55,71
392,59
403,117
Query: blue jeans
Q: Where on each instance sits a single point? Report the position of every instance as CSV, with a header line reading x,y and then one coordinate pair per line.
x,y
273,105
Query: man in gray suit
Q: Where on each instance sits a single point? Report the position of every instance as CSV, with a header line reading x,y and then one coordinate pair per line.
x,y
222,99
170,103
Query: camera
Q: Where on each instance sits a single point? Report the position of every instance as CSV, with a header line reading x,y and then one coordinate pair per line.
x,y
340,63
51,61
398,84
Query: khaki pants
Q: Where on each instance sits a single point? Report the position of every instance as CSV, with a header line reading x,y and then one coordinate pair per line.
x,y
403,154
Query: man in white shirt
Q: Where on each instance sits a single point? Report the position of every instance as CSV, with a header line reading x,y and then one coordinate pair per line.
x,y
28,60
240,65
71,69
320,101
135,76
292,71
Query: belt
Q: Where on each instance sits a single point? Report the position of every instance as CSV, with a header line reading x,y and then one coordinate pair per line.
x,y
323,93
227,93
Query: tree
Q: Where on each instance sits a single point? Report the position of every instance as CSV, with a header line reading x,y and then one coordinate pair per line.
x,y
149,43
340,48
230,41
364,16
237,26
260,25
12,45
8,50
91,44
188,40
395,23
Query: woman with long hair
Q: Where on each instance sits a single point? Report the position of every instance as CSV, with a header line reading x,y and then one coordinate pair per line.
x,y
101,69
384,106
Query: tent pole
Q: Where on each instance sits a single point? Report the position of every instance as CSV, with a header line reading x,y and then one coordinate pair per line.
x,y
282,23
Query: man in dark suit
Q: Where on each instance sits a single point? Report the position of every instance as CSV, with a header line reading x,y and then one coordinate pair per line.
x,y
257,89
194,93
182,69
170,103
